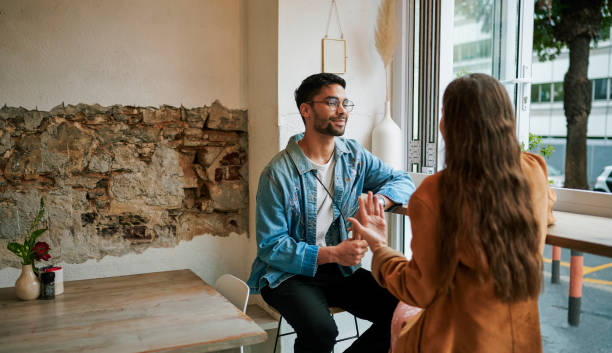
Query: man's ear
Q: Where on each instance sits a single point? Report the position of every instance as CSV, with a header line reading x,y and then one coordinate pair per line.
x,y
305,110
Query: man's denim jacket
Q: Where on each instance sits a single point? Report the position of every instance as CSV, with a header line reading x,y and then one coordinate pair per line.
x,y
287,201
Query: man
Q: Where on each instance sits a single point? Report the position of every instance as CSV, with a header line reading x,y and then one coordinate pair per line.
x,y
305,260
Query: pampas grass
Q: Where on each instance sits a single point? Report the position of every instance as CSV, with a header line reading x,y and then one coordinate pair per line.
x,y
386,36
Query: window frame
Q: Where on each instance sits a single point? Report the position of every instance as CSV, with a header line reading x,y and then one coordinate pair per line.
x,y
576,201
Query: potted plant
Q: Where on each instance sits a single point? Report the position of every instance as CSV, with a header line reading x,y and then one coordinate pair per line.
x,y
27,286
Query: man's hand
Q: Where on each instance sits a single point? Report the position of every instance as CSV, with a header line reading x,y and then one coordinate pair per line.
x,y
351,251
370,223
348,253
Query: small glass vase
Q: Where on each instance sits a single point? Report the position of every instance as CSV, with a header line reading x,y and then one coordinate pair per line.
x,y
27,286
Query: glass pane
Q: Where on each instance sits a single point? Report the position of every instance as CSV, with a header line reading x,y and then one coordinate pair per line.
x,y
535,93
558,91
590,156
545,92
473,32
600,89
485,40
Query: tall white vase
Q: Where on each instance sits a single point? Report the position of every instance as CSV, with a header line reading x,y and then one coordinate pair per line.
x,y
387,140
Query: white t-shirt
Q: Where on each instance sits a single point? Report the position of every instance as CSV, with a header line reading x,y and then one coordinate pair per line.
x,y
325,210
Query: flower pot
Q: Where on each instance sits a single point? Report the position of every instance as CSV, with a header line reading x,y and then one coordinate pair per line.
x,y
27,286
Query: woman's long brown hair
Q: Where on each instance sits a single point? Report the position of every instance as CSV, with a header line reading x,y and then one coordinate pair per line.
x,y
486,203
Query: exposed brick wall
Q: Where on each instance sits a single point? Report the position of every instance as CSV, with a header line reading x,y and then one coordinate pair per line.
x,y
120,179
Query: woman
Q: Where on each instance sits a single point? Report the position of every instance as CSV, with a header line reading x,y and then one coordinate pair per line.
x,y
478,231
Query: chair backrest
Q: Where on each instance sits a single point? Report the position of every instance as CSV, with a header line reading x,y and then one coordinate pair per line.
x,y
234,289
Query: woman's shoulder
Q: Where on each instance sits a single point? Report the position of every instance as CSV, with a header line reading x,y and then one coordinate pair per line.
x,y
431,182
534,166
533,159
428,191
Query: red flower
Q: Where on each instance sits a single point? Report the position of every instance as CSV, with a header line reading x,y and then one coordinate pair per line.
x,y
41,250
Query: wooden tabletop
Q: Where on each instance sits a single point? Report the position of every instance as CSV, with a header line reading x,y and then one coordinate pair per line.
x,y
171,311
584,233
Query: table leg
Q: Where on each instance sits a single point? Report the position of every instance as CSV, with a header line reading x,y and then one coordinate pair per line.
x,y
575,288
556,264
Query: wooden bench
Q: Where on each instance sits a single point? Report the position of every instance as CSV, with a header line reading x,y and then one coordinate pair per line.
x,y
261,317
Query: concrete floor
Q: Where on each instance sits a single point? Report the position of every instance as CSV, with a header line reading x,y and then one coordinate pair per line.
x,y
594,333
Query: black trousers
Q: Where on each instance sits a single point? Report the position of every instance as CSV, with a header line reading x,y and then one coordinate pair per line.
x,y
304,302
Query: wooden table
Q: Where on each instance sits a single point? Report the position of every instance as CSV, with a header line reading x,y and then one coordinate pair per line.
x,y
171,311
584,233
579,232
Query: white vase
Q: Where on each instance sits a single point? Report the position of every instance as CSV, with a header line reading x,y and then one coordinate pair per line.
x,y
387,140
27,286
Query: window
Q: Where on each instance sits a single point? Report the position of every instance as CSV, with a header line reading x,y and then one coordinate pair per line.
x,y
445,39
600,89
558,91
541,92
508,27
496,37
545,92
472,50
502,33
535,93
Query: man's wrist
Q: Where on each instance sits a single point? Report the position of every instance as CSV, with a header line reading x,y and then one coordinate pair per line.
x,y
382,199
326,255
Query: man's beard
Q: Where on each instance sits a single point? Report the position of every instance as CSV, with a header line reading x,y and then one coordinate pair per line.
x,y
326,127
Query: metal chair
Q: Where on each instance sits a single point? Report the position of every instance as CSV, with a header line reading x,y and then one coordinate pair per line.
x,y
332,310
235,290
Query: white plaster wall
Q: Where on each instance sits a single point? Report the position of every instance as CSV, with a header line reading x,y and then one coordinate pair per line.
x,y
191,52
137,52
301,27
206,256
262,88
141,52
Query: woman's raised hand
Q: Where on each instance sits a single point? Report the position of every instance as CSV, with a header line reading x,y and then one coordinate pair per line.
x,y
370,224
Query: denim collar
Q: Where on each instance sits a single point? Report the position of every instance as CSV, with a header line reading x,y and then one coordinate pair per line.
x,y
301,162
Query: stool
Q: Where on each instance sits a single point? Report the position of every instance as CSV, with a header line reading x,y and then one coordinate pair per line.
x,y
332,310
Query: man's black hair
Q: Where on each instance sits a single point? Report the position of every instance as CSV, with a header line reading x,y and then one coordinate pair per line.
x,y
311,86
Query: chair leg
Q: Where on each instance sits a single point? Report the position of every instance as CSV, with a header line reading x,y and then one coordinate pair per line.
x,y
349,337
277,333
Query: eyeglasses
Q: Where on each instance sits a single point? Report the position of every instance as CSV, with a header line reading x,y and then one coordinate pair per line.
x,y
334,103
